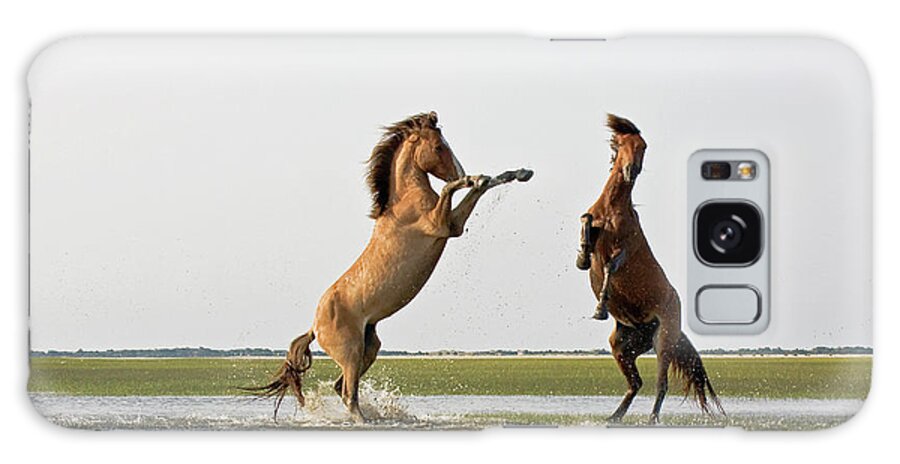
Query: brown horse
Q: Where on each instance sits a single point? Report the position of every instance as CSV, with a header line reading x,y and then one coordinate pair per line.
x,y
412,225
630,284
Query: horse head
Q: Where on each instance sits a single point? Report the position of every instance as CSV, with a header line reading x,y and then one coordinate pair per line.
x,y
432,153
414,143
628,147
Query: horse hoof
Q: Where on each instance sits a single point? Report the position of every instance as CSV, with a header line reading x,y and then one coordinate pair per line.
x,y
601,313
615,418
358,418
583,262
653,420
524,175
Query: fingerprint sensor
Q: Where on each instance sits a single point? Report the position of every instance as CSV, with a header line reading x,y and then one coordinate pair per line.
x,y
728,304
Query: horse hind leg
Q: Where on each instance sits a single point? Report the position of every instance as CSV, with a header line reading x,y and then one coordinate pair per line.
x,y
345,344
662,385
370,353
373,344
351,362
627,344
665,345
347,385
352,372
349,389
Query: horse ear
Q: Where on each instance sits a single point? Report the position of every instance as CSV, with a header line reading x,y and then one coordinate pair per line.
x,y
413,138
433,118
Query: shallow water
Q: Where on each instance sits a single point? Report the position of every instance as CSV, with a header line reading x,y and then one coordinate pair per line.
x,y
386,410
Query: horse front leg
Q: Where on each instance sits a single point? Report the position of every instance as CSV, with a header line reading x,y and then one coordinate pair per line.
x,y
521,175
588,238
460,214
481,184
438,219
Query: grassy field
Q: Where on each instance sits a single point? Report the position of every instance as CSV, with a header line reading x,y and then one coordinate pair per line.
x,y
754,377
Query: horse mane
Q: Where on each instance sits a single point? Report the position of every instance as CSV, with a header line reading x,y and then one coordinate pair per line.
x,y
619,126
378,177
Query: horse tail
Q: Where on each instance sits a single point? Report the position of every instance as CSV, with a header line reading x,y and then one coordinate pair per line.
x,y
688,365
289,377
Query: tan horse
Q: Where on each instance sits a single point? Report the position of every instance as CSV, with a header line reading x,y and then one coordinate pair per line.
x,y
630,284
412,225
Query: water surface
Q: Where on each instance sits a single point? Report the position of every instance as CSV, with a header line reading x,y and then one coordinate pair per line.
x,y
390,411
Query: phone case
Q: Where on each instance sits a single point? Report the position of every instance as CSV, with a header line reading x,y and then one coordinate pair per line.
x,y
449,233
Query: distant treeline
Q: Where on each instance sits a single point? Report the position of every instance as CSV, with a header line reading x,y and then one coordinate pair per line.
x,y
819,350
203,352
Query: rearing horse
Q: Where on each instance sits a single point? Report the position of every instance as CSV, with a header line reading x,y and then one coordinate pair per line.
x,y
630,284
412,225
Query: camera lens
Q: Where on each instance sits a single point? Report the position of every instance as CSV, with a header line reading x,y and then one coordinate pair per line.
x,y
728,233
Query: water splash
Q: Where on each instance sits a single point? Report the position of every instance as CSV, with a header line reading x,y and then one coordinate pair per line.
x,y
382,406
379,404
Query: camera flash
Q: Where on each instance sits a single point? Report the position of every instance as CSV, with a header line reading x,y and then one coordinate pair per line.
x,y
746,170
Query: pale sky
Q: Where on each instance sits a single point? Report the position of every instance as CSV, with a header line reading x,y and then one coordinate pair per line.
x,y
206,192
